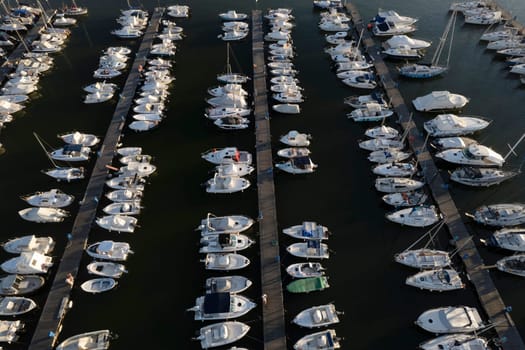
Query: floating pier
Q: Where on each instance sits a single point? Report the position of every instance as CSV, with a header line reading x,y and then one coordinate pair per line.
x,y
274,331
479,276
58,301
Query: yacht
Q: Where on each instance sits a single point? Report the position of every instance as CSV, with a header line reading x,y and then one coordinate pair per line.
x,y
65,173
221,306
403,52
79,138
455,341
424,258
54,198
472,155
402,40
443,143
291,152
227,155
232,15
93,340
451,319
221,333
388,155
295,138
106,269
214,224
308,230
436,280
444,125
501,214
382,131
394,16
481,177
360,101
361,79
513,264
389,28
440,101
397,184
510,238
71,153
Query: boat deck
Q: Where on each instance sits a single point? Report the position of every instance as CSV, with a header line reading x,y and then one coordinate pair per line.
x,y
56,306
488,295
273,310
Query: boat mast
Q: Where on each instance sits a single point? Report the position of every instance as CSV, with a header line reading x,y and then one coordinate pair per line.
x,y
451,23
45,150
513,147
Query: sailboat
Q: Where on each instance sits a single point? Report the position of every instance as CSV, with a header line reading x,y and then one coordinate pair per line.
x,y
229,77
74,10
422,71
61,173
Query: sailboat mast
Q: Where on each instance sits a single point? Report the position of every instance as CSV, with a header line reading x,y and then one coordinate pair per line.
x,y
45,150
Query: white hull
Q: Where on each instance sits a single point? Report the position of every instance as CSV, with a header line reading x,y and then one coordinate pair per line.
x,y
227,284
305,270
424,258
222,333
106,269
226,184
450,319
28,263
397,184
98,285
323,340
30,243
440,101
15,305
504,214
99,340
307,230
421,216
118,222
436,280
405,199
395,169
304,250
224,243
225,262
317,316
53,198
224,224
233,306
43,214
457,341
109,250
481,177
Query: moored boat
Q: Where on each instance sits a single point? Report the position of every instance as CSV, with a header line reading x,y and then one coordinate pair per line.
x,y
231,284
308,230
305,269
221,305
225,242
450,319
29,243
397,184
98,285
307,285
311,249
18,284
106,269
28,263
405,199
481,177
424,258
118,222
501,214
395,169
16,305
440,101
109,250
317,316
323,340
43,214
455,341
436,280
214,224
221,333
418,216
225,261
94,340
54,198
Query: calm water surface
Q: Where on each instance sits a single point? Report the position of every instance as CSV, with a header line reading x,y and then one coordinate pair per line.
x,y
148,308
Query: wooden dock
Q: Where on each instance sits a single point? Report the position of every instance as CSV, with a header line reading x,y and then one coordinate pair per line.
x,y
273,310
58,300
488,295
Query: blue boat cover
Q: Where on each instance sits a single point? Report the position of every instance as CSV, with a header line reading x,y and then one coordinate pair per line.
x,y
329,339
216,303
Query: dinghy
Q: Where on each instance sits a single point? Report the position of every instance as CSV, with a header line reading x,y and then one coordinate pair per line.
x,y
15,305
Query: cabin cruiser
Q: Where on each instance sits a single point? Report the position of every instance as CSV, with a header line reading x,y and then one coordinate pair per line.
x,y
311,249
227,155
29,243
474,154
404,40
436,280
440,101
317,316
233,35
382,131
291,152
65,173
419,216
28,263
393,16
443,143
222,333
361,79
79,138
225,261
388,28
481,177
227,284
502,214
225,242
127,32
106,73
118,222
381,144
109,250
140,169
226,184
213,224
403,52
228,88
360,101
297,165
296,139
178,11
454,125
388,155
221,306
451,319
510,238
395,169
371,112
456,341
356,64
397,184
54,198
126,182
289,96
43,214
307,230
305,270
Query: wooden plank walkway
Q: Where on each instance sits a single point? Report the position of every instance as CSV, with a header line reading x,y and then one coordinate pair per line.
x,y
55,308
480,277
273,312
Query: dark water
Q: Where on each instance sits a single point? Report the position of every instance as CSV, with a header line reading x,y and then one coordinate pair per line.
x,y
148,308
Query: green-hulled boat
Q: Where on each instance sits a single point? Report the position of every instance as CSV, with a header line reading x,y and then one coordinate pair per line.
x,y
306,285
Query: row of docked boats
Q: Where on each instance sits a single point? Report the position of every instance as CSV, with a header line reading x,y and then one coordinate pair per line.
x,y
297,155
234,26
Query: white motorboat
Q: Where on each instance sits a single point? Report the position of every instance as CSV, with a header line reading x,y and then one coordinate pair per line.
x,y
317,316
127,32
98,97
213,224
153,118
419,216
233,35
43,214
305,270
474,154
123,208
378,144
143,125
54,198
503,214
311,249
235,25
456,341
29,243
436,280
511,238
397,184
100,86
450,319
371,112
396,169
287,108
221,333
118,222
382,131
360,79
227,89
106,269
233,169
454,125
289,96
62,21
277,35
17,284
225,261
227,284
14,98
513,264
424,258
16,305
323,340
221,306
95,340
481,177
28,263
75,10
297,165
126,182
145,108
333,25
125,195
71,153
227,155
442,143
65,173
440,101
296,139
10,329
144,158
178,11
79,138
291,152
98,285
232,15
140,169
127,151
109,250
405,40
413,70
360,101
225,242
219,112
308,230
352,64
405,199
233,122
388,156
394,16
403,52
487,17
226,184
106,73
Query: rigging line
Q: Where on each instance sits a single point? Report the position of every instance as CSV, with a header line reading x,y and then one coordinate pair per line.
x,y
458,248
454,14
45,150
423,236
437,227
235,59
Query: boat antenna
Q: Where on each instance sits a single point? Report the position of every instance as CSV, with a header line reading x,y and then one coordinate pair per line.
x,y
45,149
514,147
